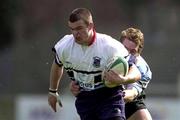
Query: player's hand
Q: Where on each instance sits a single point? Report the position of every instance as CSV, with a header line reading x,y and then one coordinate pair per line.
x,y
74,88
53,98
130,95
113,77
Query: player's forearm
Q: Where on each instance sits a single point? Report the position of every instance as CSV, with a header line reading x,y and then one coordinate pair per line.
x,y
133,75
55,76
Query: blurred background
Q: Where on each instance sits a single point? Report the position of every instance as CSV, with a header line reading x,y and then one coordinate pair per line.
x,y
30,28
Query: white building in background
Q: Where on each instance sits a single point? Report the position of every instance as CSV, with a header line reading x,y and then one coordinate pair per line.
x,y
35,107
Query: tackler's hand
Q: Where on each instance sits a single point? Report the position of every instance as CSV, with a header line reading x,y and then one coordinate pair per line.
x,y
74,88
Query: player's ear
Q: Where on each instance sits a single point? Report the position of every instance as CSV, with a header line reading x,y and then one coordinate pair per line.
x,y
91,26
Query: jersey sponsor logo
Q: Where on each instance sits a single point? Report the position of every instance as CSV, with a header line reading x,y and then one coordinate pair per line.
x,y
96,61
86,85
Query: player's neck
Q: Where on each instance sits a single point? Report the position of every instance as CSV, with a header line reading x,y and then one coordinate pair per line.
x,y
92,37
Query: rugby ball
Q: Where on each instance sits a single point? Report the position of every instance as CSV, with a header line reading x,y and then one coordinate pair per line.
x,y
118,65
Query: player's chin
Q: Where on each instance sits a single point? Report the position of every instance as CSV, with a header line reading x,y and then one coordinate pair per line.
x,y
79,41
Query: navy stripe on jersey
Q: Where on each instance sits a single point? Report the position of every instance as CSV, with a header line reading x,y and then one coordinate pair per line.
x,y
71,74
97,78
84,72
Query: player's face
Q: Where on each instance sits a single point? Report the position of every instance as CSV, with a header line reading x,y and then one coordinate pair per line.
x,y
81,32
130,46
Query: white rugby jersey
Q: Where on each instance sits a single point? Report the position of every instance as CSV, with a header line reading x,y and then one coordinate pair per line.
x,y
85,64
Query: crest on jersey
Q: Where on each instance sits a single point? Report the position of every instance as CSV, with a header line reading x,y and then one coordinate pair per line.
x,y
96,61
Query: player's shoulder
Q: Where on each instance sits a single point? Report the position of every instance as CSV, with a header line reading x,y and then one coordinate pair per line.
x,y
111,45
142,64
65,40
141,60
107,39
104,36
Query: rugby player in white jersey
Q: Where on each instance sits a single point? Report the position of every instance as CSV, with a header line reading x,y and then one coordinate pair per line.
x,y
84,55
135,108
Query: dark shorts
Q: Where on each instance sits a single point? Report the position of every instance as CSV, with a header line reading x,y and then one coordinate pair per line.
x,y
101,104
132,107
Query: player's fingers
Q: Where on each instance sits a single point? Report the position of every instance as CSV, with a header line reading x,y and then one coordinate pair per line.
x,y
53,106
52,100
108,76
75,84
111,72
72,85
74,88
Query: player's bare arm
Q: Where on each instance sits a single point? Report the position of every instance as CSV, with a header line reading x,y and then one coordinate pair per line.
x,y
132,76
55,75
